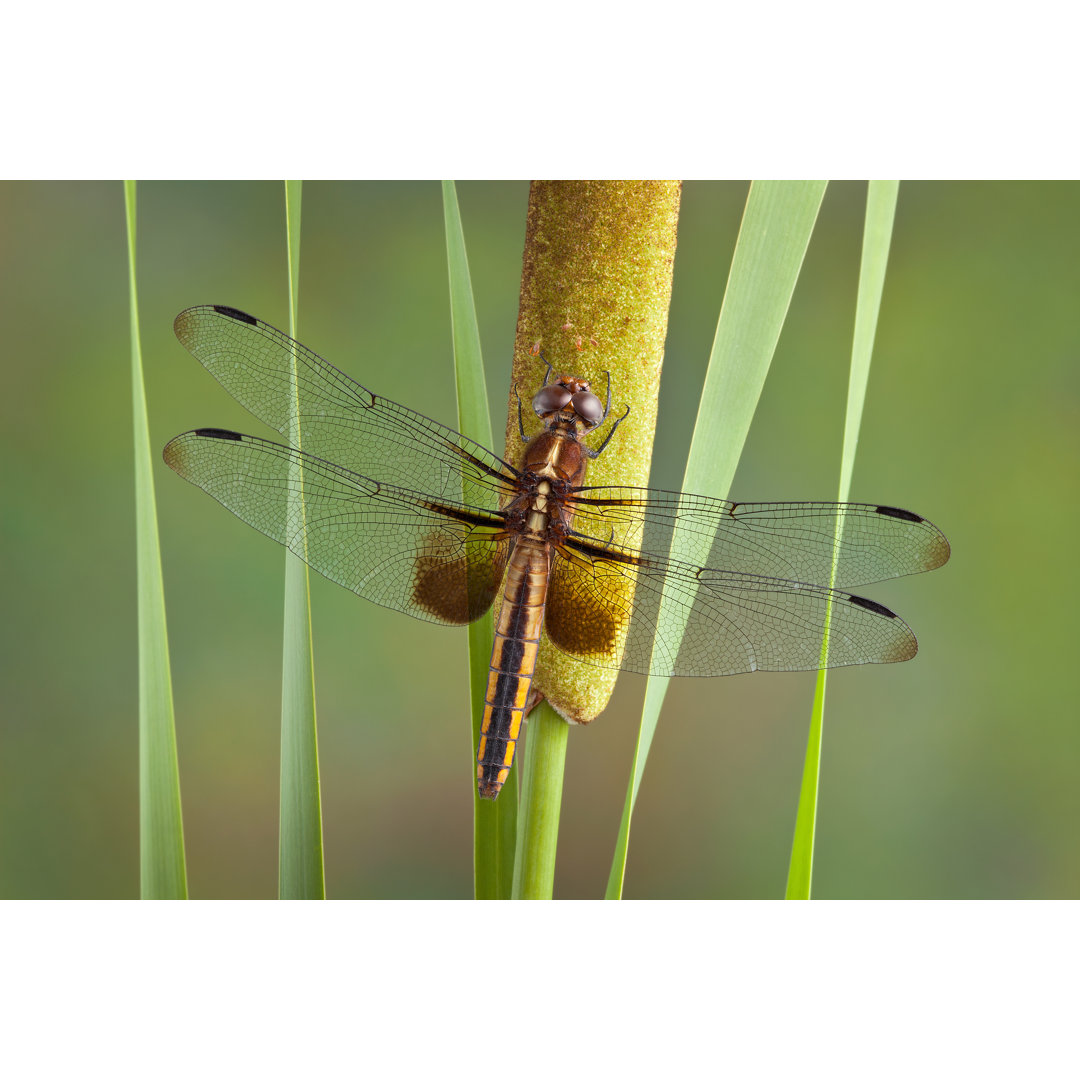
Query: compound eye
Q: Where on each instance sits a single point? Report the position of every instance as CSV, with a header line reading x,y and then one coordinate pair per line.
x,y
550,399
589,407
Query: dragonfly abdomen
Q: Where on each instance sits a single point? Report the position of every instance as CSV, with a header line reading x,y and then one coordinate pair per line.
x,y
513,661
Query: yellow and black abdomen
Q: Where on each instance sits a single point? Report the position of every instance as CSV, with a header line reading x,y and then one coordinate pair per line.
x,y
513,661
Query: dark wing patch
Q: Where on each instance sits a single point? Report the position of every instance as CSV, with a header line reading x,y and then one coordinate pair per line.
x,y
583,616
237,314
590,600
903,515
872,605
219,433
459,589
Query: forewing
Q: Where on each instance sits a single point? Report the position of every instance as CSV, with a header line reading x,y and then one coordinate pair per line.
x,y
711,622
436,560
788,540
339,419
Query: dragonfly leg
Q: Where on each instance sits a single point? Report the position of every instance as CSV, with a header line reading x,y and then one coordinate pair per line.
x,y
521,420
607,438
534,699
535,350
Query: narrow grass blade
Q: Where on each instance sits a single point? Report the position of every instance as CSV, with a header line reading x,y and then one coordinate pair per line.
x,y
877,236
162,873
541,801
494,823
776,227
300,843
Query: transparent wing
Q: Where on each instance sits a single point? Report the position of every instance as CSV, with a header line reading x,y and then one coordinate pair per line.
x,y
789,540
435,560
340,420
604,607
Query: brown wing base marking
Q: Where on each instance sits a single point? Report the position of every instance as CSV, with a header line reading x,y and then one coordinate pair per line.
x,y
457,577
589,602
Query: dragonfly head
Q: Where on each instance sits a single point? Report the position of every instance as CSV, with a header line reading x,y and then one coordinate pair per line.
x,y
569,400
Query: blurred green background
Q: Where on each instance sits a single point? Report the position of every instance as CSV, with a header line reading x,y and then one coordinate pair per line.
x,y
955,775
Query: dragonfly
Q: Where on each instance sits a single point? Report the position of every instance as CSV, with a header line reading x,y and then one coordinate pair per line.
x,y
415,516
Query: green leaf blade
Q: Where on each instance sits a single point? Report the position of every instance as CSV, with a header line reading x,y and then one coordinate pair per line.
x,y
494,823
877,237
162,865
301,873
